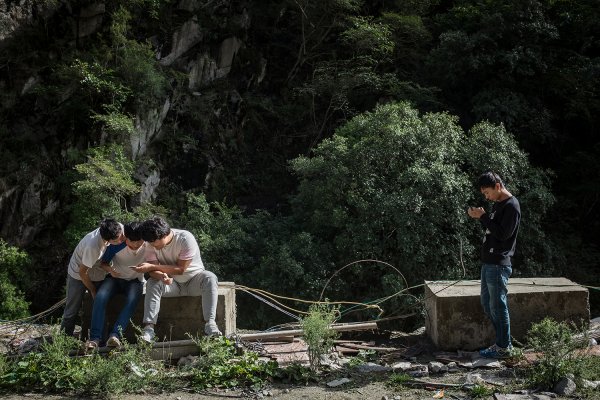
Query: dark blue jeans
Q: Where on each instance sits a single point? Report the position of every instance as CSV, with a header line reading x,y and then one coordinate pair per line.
x,y
110,287
494,290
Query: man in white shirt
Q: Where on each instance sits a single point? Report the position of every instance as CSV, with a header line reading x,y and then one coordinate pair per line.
x,y
176,269
81,275
122,279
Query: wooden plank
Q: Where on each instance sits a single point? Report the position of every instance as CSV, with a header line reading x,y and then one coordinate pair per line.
x,y
362,347
298,332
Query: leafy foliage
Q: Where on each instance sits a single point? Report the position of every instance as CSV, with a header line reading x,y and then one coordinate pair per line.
x,y
317,332
14,264
394,185
53,369
558,347
219,366
106,178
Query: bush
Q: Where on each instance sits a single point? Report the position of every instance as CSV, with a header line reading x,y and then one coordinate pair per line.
x,y
317,332
218,365
103,189
53,369
13,279
558,348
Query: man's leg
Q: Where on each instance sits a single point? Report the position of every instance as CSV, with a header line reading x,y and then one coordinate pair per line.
x,y
103,295
133,293
155,290
206,284
485,292
75,292
499,306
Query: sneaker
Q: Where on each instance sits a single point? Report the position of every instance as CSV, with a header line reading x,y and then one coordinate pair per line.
x,y
211,329
495,351
90,346
148,334
113,341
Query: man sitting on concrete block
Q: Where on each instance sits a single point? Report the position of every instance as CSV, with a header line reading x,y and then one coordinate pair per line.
x,y
175,267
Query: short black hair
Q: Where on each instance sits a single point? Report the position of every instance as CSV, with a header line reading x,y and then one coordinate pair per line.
x,y
110,229
488,180
133,231
154,229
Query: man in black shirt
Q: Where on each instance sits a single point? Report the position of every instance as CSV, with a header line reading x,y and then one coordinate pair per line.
x,y
501,228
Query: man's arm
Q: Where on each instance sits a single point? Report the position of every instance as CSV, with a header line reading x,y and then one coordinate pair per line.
x,y
171,270
83,274
504,228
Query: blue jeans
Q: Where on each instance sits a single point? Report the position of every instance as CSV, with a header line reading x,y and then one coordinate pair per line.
x,y
111,286
494,282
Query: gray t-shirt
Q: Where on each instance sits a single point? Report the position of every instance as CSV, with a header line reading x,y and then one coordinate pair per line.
x,y
183,246
88,252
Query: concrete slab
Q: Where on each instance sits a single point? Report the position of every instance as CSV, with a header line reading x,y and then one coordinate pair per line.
x,y
455,318
178,315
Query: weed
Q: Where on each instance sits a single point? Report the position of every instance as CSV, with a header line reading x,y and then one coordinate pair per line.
x,y
53,369
362,357
296,373
399,381
218,366
479,391
558,348
317,332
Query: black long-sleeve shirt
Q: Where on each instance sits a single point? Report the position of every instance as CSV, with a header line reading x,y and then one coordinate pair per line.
x,y
501,229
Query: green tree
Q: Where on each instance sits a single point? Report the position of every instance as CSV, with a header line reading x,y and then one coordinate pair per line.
x,y
394,185
14,265
103,189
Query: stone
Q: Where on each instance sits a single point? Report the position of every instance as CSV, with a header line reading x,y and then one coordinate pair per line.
x,y
402,366
372,367
178,315
436,367
418,371
184,39
337,382
565,387
590,384
455,318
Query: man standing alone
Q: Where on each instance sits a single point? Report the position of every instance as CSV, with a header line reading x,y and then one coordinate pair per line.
x,y
501,228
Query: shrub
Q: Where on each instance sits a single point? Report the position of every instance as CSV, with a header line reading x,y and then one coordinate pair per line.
x,y
53,369
218,365
13,264
317,332
558,348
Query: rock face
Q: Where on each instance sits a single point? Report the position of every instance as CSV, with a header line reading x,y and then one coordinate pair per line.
x,y
27,205
90,19
23,210
184,39
147,128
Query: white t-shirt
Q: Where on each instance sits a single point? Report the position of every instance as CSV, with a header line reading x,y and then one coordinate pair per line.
x,y
127,258
88,252
183,246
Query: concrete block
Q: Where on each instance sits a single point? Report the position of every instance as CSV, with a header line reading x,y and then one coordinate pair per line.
x,y
178,315
455,318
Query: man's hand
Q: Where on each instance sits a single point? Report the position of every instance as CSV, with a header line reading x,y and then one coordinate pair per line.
x,y
114,273
167,280
475,212
144,267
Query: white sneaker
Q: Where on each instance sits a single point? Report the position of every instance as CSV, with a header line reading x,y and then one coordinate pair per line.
x,y
148,334
211,329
